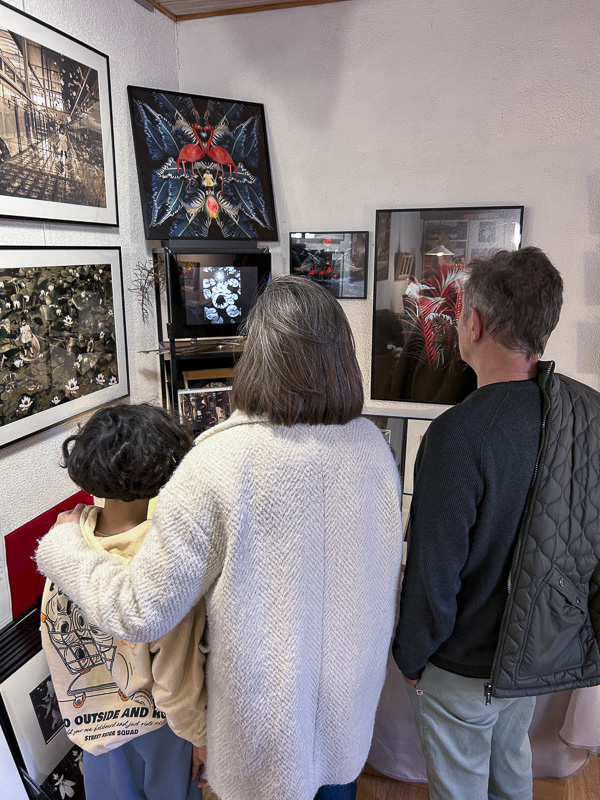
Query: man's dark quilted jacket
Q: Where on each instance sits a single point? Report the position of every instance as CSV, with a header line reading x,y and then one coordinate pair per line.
x,y
550,632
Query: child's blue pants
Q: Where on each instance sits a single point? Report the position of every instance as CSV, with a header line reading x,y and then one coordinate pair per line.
x,y
155,766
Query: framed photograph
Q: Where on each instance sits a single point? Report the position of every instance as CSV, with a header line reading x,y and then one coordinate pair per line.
x,y
66,778
336,261
63,347
415,431
393,430
203,166
203,408
415,354
56,137
32,712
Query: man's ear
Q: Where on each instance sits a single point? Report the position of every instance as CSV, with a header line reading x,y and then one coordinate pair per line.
x,y
476,325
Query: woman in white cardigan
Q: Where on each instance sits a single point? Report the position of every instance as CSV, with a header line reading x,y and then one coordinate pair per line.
x,y
287,519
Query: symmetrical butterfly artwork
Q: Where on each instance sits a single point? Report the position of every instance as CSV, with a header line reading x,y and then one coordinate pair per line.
x,y
203,166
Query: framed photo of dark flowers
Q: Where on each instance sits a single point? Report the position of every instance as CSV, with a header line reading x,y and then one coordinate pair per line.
x,y
56,140
63,347
424,254
337,261
203,167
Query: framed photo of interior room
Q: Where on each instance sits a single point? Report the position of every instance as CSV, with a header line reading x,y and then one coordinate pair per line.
x,y
56,135
203,167
63,345
421,264
335,260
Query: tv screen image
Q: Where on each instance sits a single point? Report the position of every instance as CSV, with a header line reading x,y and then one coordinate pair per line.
x,y
212,293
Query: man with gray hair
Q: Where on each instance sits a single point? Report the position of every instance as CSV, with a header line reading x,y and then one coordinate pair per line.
x,y
501,596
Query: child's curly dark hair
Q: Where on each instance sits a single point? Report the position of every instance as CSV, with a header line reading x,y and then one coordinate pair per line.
x,y
126,452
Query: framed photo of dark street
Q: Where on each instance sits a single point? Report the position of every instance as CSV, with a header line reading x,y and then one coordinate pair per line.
x,y
56,136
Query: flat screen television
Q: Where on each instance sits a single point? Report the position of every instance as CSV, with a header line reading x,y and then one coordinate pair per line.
x,y
211,293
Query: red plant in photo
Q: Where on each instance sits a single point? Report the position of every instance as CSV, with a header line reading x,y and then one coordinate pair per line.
x,y
431,309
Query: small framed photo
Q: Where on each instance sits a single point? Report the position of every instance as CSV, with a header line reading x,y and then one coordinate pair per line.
x,y
337,261
204,408
32,712
56,137
63,346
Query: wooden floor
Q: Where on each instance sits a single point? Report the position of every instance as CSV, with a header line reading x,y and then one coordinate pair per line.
x,y
584,786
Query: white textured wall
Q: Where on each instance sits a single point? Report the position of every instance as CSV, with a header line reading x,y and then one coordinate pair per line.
x,y
370,104
141,47
406,103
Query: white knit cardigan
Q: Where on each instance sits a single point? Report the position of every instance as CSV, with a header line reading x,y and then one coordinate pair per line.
x,y
295,536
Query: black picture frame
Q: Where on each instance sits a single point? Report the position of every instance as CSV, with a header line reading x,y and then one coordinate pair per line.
x,y
203,167
23,720
57,159
63,339
336,260
422,254
211,293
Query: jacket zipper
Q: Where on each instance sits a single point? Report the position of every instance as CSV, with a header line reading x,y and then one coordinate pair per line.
x,y
488,686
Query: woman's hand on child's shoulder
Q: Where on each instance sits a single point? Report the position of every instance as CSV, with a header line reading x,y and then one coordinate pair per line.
x,y
70,516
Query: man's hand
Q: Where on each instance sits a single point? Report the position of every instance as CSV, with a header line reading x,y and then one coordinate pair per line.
x,y
70,516
199,765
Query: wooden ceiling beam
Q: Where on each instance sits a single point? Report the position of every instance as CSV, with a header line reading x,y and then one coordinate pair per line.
x,y
242,10
163,10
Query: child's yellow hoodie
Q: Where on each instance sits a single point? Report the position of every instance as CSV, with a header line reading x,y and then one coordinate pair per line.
x,y
110,690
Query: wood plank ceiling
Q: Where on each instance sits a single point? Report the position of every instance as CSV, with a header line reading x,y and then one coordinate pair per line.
x,y
180,10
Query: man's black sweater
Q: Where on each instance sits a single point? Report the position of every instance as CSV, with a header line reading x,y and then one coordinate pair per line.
x,y
472,474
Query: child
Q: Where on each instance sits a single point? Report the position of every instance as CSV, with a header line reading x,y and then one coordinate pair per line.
x,y
116,697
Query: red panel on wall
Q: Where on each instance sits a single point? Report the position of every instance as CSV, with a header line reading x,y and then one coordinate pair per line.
x,y
26,584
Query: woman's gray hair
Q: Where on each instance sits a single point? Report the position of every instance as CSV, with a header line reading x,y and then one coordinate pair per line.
x,y
519,295
298,364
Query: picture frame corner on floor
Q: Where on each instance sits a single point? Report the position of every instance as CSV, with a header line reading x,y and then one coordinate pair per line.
x,y
63,338
63,135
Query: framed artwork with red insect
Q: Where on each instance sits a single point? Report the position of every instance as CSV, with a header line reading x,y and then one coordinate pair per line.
x,y
335,260
415,354
203,167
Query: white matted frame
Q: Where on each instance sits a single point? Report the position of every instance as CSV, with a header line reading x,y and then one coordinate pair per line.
x,y
63,343
58,159
40,757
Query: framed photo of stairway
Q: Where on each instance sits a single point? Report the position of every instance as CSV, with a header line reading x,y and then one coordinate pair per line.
x,y
203,167
56,135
